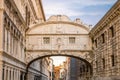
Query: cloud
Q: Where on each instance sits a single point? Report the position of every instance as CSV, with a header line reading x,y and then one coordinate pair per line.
x,y
77,8
93,2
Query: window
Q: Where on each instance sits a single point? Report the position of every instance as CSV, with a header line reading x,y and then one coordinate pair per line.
x,y
112,31
46,40
83,67
72,40
103,38
103,60
80,70
96,65
113,60
96,43
87,68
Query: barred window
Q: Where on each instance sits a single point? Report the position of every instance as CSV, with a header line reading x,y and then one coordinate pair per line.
x,y
113,60
103,60
96,62
72,40
103,38
112,32
96,43
46,40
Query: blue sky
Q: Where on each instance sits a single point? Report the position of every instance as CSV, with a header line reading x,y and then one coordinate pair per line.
x,y
89,11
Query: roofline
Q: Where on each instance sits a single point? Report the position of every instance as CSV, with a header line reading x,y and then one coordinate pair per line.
x,y
41,6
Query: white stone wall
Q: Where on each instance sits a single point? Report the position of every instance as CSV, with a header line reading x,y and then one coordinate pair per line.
x,y
58,31
106,62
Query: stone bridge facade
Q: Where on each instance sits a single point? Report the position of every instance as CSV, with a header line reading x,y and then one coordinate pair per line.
x,y
58,36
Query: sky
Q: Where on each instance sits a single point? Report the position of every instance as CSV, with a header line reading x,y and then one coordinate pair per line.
x,y
89,11
57,60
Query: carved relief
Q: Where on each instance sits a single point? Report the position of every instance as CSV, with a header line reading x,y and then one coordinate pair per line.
x,y
28,57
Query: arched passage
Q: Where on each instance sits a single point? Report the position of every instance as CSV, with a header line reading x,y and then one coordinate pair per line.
x,y
58,36
40,57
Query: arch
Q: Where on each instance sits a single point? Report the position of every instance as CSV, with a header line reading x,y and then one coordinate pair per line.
x,y
40,57
59,42
34,54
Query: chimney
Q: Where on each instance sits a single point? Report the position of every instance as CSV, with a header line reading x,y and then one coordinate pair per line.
x,y
77,20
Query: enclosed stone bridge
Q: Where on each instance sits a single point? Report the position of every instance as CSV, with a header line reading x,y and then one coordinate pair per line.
x,y
58,36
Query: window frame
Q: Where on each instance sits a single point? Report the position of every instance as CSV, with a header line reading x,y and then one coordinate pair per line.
x,y
72,40
46,40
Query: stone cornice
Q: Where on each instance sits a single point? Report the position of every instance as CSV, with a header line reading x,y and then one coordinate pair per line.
x,y
6,63
108,17
4,54
36,71
58,22
65,34
60,51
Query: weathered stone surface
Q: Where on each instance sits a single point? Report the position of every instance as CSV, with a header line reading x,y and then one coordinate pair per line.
x,y
58,29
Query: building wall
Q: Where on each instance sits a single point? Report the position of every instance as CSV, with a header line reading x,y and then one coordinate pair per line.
x,y
78,70
15,19
39,70
57,72
106,41
73,69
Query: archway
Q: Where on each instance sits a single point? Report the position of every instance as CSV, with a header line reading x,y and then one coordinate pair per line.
x,y
40,57
59,36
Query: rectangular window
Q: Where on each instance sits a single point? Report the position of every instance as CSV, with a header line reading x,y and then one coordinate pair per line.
x,y
103,60
103,38
46,40
87,68
96,43
96,65
71,40
112,31
113,60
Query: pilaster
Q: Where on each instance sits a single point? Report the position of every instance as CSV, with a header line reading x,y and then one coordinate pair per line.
x,y
5,73
12,74
1,23
15,78
8,76
1,70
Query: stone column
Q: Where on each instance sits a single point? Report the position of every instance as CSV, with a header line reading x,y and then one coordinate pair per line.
x,y
15,75
23,76
18,75
8,74
11,74
4,73
1,24
1,70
